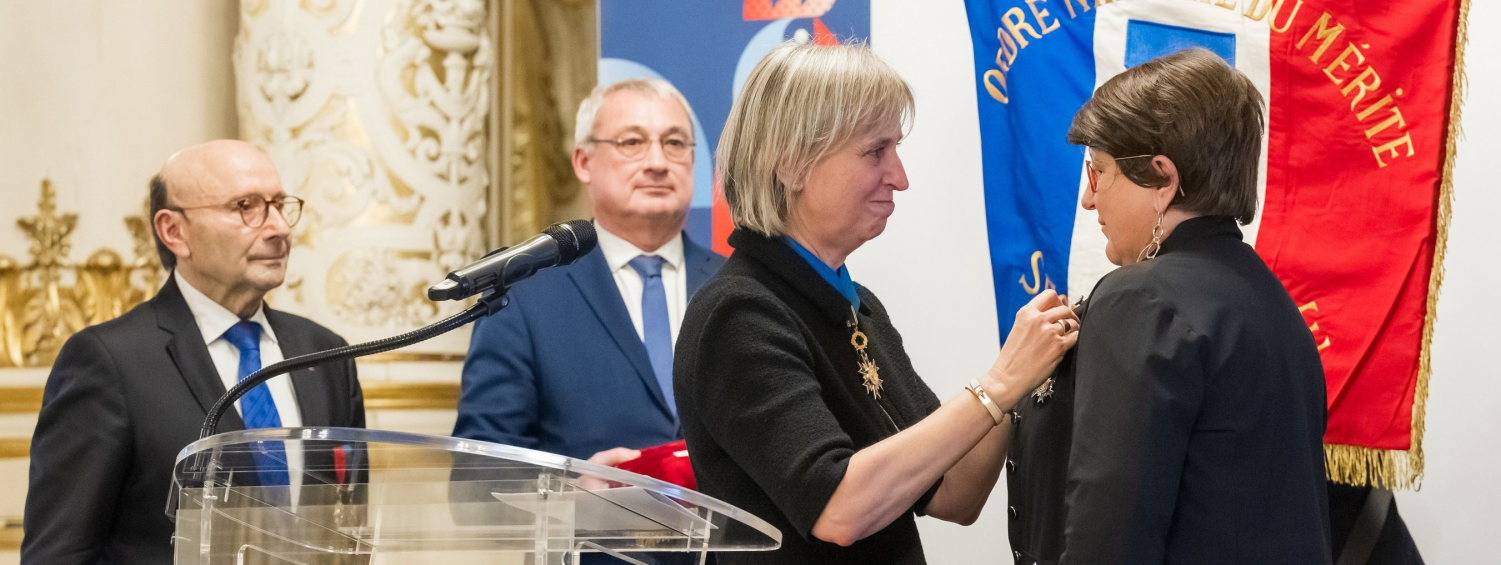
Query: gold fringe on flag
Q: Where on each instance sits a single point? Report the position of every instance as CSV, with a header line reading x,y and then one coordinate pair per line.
x,y
1383,468
1392,469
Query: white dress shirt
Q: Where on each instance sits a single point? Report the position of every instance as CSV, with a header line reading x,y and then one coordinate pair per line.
x,y
618,254
213,320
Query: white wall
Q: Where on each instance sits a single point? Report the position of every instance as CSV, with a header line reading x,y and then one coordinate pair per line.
x,y
1453,516
96,94
928,43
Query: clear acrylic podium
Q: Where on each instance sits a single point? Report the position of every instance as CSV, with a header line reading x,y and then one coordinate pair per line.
x,y
353,496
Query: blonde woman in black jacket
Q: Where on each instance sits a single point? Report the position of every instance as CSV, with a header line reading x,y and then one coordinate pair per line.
x,y
797,399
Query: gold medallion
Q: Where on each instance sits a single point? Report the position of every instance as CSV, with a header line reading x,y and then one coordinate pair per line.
x,y
870,374
858,338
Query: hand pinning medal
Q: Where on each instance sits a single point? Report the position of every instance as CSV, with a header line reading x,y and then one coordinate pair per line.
x,y
869,372
1045,391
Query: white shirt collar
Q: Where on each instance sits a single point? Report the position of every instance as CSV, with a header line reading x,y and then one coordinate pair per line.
x,y
619,252
213,318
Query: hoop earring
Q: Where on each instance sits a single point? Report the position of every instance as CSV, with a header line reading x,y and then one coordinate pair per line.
x,y
1150,251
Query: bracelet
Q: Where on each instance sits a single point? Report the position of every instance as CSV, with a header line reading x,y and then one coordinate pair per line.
x,y
995,411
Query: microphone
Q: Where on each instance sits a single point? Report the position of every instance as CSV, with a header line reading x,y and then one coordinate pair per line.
x,y
559,244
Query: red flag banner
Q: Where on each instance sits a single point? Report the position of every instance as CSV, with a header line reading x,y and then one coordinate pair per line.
x,y
1363,116
1363,103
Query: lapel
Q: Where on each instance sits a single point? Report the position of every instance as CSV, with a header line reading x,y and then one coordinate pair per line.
x,y
699,263
190,354
311,386
591,275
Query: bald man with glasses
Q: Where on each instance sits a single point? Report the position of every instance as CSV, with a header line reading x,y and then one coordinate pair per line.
x,y
124,397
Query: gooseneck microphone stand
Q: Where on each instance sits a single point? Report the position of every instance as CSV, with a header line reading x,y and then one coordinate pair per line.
x,y
559,244
488,304
202,462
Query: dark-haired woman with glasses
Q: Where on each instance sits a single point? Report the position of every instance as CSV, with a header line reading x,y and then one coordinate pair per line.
x,y
1187,425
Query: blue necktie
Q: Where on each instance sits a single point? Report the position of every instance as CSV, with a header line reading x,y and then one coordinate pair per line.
x,y
257,408
657,334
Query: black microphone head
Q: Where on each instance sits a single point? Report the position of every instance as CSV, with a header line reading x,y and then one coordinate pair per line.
x,y
575,239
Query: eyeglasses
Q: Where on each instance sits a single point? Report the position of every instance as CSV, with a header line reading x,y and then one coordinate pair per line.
x,y
1094,175
674,147
254,209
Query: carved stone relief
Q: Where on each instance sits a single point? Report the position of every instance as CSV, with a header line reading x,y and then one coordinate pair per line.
x,y
376,113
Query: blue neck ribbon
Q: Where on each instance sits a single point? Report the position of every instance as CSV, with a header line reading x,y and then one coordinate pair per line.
x,y
839,279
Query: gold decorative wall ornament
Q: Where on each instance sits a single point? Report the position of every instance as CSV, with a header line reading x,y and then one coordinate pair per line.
x,y
375,112
549,60
44,302
379,395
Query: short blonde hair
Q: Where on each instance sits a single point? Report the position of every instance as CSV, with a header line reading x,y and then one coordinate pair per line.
x,y
583,126
800,103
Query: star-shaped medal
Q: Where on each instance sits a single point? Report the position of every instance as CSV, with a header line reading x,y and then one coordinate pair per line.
x,y
870,374
872,377
1044,392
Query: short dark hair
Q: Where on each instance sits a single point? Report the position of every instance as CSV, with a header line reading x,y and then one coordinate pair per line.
x,y
159,203
1193,108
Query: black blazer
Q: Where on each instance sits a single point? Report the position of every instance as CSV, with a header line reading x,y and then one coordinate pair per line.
x,y
772,401
1188,425
123,399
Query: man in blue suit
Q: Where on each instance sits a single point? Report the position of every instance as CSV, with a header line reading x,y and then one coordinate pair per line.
x,y
580,363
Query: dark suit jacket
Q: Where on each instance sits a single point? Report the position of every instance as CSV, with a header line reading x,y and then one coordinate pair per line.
x,y
562,369
1187,427
123,399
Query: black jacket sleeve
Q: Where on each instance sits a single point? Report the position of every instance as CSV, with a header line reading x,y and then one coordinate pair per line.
x,y
1140,385
80,455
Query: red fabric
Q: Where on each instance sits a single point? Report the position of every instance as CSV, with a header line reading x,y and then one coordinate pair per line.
x,y
340,464
1342,232
756,10
668,462
822,35
721,222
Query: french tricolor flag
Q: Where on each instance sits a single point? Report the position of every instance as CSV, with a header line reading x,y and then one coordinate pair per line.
x,y
1354,185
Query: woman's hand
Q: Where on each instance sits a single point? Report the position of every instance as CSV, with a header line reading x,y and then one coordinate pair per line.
x,y
1043,331
882,481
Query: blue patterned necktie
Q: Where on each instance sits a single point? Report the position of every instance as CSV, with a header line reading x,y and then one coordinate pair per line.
x,y
656,333
257,408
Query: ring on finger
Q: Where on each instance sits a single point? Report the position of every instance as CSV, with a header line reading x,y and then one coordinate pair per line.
x,y
1067,327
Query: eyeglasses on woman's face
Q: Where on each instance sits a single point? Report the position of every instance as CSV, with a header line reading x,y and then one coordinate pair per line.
x,y
1095,174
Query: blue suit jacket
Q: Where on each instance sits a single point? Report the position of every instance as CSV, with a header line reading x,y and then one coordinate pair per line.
x,y
562,369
